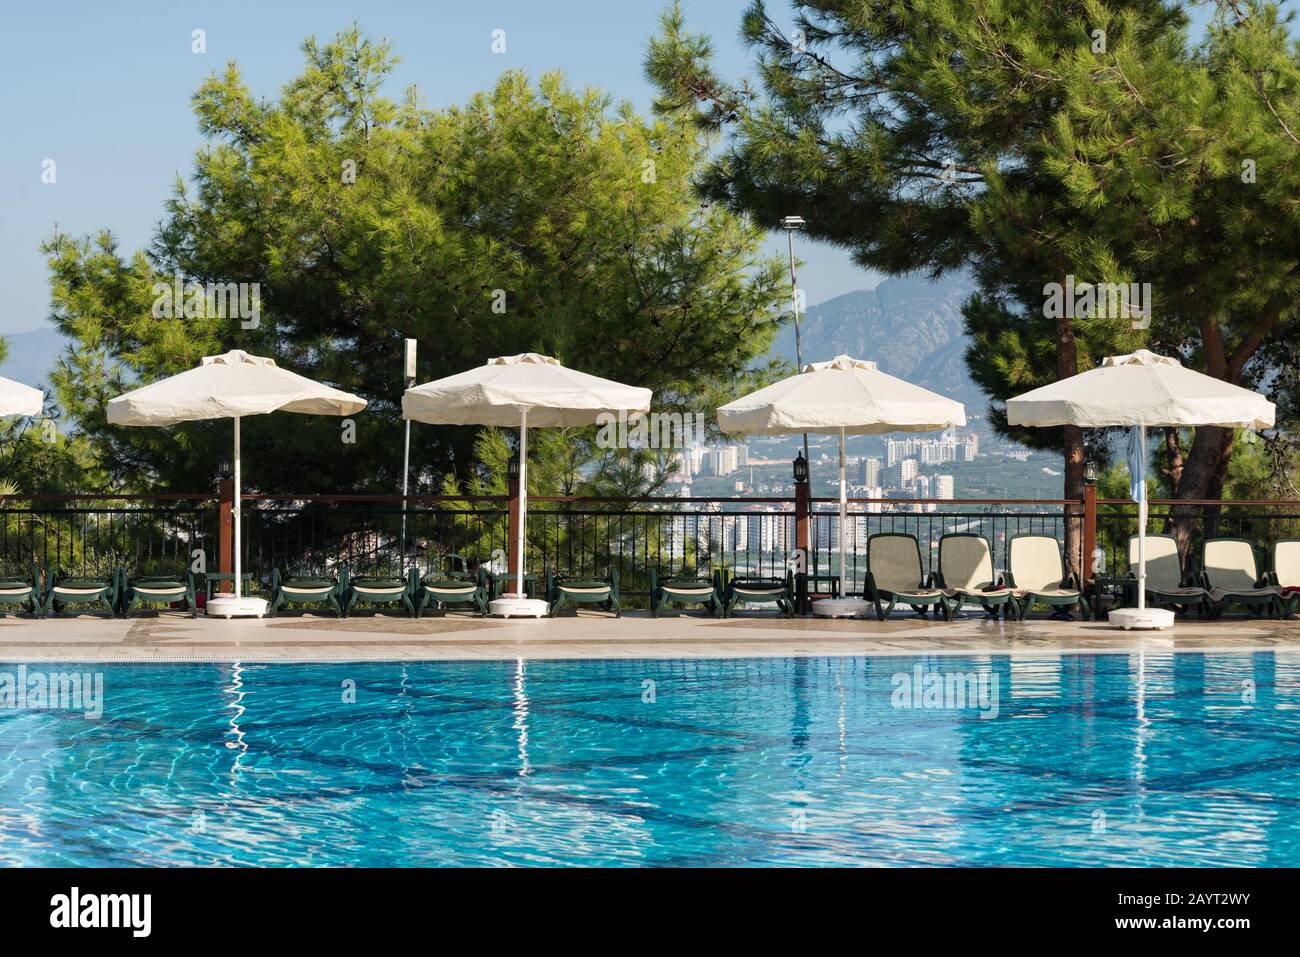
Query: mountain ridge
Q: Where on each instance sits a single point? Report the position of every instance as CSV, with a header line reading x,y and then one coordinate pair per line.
x,y
911,326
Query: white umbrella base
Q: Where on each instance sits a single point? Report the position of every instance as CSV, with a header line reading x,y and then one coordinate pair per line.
x,y
1141,619
509,606
228,606
841,608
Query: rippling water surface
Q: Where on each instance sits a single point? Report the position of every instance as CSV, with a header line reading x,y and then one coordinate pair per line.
x,y
1080,760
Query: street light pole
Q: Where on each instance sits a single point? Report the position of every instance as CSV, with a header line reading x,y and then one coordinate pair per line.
x,y
409,377
791,225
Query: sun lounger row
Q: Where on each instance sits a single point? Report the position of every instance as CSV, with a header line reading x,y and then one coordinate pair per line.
x,y
965,577
1229,575
117,593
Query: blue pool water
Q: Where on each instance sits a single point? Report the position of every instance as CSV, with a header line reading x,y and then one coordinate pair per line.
x,y
1089,760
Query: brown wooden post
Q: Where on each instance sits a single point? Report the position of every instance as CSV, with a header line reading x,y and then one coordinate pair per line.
x,y
802,542
1088,572
512,536
225,556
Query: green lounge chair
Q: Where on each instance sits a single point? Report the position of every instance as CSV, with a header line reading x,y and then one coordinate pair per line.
x,y
1036,574
1286,573
22,592
1231,575
158,588
757,591
306,589
453,588
967,578
583,591
684,590
381,591
894,575
63,590
1166,583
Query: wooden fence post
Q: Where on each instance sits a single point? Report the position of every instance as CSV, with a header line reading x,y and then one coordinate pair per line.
x,y
802,542
1087,572
225,556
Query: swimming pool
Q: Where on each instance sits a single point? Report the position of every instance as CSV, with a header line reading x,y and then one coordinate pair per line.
x,y
1181,759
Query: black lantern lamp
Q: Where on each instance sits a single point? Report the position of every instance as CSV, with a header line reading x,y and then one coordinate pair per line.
x,y
800,469
224,470
1090,473
512,467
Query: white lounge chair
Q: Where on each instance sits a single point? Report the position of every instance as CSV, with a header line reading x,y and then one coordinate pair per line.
x,y
1286,572
1166,582
1231,574
967,577
894,575
1037,575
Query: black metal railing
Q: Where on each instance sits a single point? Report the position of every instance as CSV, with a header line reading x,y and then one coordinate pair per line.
x,y
370,535
88,535
93,534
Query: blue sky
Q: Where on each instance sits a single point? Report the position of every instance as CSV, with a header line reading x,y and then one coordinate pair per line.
x,y
103,88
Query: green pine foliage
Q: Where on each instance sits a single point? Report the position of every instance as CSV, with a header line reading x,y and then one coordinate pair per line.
x,y
535,217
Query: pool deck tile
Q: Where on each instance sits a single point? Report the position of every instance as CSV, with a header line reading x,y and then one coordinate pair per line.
x,y
176,637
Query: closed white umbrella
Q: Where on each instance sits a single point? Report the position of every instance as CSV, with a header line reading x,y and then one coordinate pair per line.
x,y
19,399
845,396
1141,390
230,386
527,389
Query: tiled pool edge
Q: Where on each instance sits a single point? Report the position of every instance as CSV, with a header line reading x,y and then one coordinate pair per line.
x,y
178,639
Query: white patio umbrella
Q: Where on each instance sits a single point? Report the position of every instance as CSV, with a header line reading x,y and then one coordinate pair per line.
x,y
19,399
527,389
1141,390
845,396
230,386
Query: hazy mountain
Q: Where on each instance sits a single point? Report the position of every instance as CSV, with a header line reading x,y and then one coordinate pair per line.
x,y
32,356
911,326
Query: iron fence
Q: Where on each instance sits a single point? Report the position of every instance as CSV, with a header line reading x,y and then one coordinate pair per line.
x,y
92,534
87,535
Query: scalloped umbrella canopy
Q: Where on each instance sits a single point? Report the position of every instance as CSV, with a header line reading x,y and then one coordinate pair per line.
x,y
845,394
497,392
19,399
229,386
1141,389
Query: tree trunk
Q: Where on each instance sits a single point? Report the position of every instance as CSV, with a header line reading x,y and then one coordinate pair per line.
x,y
1174,452
1202,477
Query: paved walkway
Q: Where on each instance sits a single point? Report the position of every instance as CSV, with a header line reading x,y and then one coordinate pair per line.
x,y
175,637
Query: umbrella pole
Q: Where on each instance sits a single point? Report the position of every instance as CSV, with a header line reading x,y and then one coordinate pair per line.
x,y
844,511
1142,527
523,500
238,510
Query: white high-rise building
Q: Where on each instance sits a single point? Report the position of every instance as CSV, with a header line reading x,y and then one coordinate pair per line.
x,y
944,486
869,471
903,473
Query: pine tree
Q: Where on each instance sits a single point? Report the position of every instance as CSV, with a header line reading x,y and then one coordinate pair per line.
x,y
535,217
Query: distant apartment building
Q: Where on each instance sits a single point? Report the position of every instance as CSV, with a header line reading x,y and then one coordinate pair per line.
x,y
902,473
948,448
869,470
945,487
